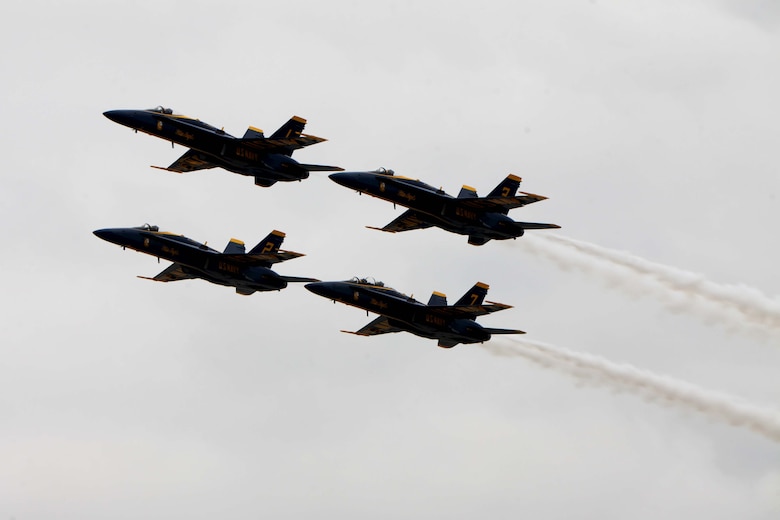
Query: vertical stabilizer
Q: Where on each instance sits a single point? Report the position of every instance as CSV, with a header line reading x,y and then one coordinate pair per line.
x,y
507,188
291,128
438,298
475,296
269,244
235,247
467,192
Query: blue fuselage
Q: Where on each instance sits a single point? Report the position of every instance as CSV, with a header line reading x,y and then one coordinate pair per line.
x,y
196,259
222,149
402,311
440,209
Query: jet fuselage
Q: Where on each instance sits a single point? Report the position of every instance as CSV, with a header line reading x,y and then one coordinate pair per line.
x,y
402,311
441,209
224,150
196,259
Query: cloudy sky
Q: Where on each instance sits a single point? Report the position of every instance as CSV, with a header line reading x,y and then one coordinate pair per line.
x,y
653,128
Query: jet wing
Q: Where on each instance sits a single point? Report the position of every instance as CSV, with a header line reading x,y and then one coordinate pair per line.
x,y
173,273
378,326
469,311
189,162
500,203
408,220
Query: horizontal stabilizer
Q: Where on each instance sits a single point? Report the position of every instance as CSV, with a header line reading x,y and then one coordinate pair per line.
x,y
469,311
537,225
503,331
299,279
501,204
263,259
282,145
320,168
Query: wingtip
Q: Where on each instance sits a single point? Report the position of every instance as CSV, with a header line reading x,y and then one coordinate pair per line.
x,y
379,229
534,195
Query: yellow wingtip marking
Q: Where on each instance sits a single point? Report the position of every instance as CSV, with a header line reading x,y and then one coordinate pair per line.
x,y
255,129
437,293
237,241
469,188
513,177
483,285
298,119
278,233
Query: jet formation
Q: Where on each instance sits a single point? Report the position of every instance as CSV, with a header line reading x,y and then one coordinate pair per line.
x,y
449,324
267,159
481,218
234,267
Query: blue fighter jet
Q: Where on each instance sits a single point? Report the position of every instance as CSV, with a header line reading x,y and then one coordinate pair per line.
x,y
267,159
234,267
450,325
481,218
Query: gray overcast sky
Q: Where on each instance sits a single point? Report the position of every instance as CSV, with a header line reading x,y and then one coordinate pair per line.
x,y
651,125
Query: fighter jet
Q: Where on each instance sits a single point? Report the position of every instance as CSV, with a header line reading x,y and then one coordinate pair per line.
x,y
450,325
234,267
481,218
267,159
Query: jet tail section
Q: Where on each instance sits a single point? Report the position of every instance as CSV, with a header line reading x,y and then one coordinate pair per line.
x,y
291,128
503,331
269,244
467,192
475,296
537,225
507,188
235,247
253,133
438,299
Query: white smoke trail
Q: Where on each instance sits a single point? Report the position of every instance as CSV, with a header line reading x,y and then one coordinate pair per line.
x,y
677,288
673,392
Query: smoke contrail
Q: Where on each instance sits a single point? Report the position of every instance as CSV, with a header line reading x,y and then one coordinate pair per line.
x,y
742,304
622,376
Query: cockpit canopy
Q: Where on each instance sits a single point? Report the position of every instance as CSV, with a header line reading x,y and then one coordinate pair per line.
x,y
162,110
384,171
366,281
149,227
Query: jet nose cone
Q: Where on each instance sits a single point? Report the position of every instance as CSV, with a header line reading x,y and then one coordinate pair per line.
x,y
113,115
347,179
319,288
123,117
110,235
